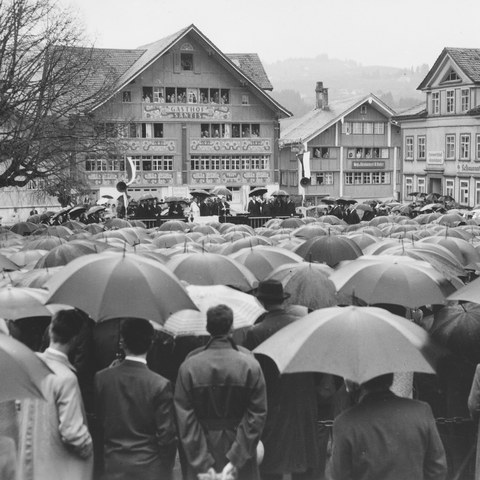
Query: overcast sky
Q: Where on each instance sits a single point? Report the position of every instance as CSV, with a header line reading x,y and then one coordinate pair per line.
x,y
372,32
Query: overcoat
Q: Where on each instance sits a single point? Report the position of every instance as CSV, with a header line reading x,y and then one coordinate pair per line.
x,y
221,406
387,437
474,408
54,434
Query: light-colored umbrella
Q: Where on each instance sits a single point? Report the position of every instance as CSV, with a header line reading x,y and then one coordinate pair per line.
x,y
357,343
21,371
116,284
246,309
212,269
22,302
392,279
262,260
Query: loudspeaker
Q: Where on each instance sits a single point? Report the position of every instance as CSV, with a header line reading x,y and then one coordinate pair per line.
x,y
121,187
305,181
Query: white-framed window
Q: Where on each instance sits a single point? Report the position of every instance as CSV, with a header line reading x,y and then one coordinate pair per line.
x,y
477,192
126,96
245,99
265,162
421,147
368,128
464,192
235,163
323,178
450,187
465,146
245,163
348,178
450,146
465,99
409,148
435,103
379,128
478,146
357,177
421,184
357,128
347,128
408,186
450,101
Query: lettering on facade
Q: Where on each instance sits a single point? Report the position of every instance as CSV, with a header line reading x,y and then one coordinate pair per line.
x,y
148,145
228,145
190,112
435,158
464,167
230,177
367,164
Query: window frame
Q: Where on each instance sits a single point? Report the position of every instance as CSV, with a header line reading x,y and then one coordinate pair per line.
x,y
452,145
450,101
409,147
465,100
465,155
435,103
421,147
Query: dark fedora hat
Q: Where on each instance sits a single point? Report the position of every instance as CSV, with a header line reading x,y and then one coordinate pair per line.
x,y
271,290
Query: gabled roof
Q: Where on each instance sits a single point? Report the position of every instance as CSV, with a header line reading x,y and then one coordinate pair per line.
x,y
466,59
417,111
308,126
247,66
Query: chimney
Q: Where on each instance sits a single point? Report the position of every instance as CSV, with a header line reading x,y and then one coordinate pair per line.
x,y
321,95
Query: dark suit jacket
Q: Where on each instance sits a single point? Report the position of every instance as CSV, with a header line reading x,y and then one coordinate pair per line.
x,y
387,437
134,408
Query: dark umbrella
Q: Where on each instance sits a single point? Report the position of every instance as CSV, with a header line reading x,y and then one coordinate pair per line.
x,y
259,191
280,193
77,211
24,228
62,211
200,193
95,209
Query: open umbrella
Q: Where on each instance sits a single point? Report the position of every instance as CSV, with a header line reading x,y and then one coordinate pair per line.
x,y
21,371
22,302
95,209
64,254
307,283
222,191
392,279
212,269
468,293
200,193
246,309
116,285
280,193
245,243
258,192
24,228
357,343
329,249
262,260
77,211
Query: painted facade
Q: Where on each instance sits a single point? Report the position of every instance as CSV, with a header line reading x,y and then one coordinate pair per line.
x,y
349,148
441,138
190,117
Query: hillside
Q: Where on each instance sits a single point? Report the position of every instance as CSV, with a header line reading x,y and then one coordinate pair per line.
x,y
294,82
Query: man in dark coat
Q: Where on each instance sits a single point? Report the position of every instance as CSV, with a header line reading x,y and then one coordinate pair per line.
x,y
290,435
221,405
134,408
387,437
255,206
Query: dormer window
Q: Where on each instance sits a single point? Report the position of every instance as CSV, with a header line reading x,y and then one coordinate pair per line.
x,y
363,110
452,76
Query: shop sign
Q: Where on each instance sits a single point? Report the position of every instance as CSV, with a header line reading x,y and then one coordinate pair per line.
x,y
465,167
435,158
230,177
227,145
187,112
367,164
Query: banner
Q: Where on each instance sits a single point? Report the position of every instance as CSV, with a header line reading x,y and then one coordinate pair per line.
x,y
131,171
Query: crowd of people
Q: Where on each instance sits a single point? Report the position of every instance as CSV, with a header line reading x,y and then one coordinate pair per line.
x,y
128,401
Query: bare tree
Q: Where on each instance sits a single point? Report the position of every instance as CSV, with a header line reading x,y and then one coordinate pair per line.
x,y
49,82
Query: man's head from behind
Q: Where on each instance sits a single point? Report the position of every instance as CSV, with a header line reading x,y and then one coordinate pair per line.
x,y
137,335
219,320
65,325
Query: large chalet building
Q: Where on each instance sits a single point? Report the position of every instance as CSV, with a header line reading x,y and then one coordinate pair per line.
x,y
190,117
441,137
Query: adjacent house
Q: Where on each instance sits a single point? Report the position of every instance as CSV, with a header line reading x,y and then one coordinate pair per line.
x,y
344,148
441,137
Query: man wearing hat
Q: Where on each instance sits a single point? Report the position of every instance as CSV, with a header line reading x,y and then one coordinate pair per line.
x,y
290,437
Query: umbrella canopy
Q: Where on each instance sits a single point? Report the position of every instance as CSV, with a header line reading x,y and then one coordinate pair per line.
x,y
43,243
173,225
64,254
458,328
212,269
222,191
7,264
245,243
25,257
468,293
258,192
56,231
117,285
392,279
357,343
77,211
330,249
246,309
307,283
95,209
280,193
262,260
21,370
24,228
199,193
310,231
117,223
22,302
